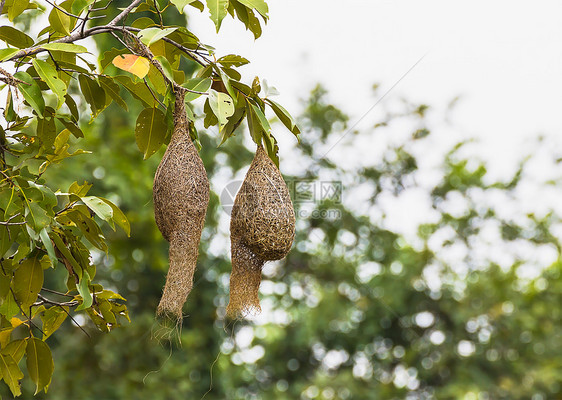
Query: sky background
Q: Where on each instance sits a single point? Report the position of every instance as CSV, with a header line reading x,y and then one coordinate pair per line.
x,y
503,58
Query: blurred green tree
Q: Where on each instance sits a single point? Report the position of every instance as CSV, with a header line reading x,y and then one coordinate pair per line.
x,y
357,310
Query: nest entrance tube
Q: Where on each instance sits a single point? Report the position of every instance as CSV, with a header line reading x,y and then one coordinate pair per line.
x,y
262,228
181,197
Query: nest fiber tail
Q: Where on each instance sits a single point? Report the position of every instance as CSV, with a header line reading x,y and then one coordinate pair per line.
x,y
181,196
262,228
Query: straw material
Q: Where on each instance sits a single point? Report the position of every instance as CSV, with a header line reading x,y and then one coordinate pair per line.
x,y
181,196
262,228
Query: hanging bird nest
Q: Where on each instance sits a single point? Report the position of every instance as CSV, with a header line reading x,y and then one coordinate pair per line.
x,y
181,197
262,228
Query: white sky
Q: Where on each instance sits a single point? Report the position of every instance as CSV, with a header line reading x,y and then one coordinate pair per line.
x,y
504,58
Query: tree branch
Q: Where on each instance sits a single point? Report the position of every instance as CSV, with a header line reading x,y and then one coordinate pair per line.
x,y
8,223
45,300
77,35
124,13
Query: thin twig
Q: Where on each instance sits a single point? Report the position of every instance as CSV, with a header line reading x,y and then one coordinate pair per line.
x,y
57,293
159,14
124,13
68,206
152,93
62,10
24,314
45,300
76,323
7,177
7,223
102,8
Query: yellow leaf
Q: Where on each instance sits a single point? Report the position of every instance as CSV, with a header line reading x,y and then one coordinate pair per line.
x,y
136,65
16,322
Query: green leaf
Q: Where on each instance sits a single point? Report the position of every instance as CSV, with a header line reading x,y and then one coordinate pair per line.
x,y
9,307
37,216
84,290
258,5
7,53
197,84
49,198
60,22
210,117
31,92
151,35
48,246
233,123
14,37
189,114
263,120
79,5
142,23
11,373
113,90
150,131
16,349
93,93
180,4
52,319
284,117
98,206
28,281
222,106
105,309
79,190
119,217
253,124
271,147
166,67
254,24
233,60
198,5
218,10
50,76
73,128
17,8
47,132
5,280
40,363
138,90
66,47
66,253
71,104
226,81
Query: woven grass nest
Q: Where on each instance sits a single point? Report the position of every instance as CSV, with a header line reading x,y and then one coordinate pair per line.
x,y
262,228
181,197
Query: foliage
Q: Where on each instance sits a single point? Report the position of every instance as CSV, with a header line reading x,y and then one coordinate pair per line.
x,y
49,231
358,309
